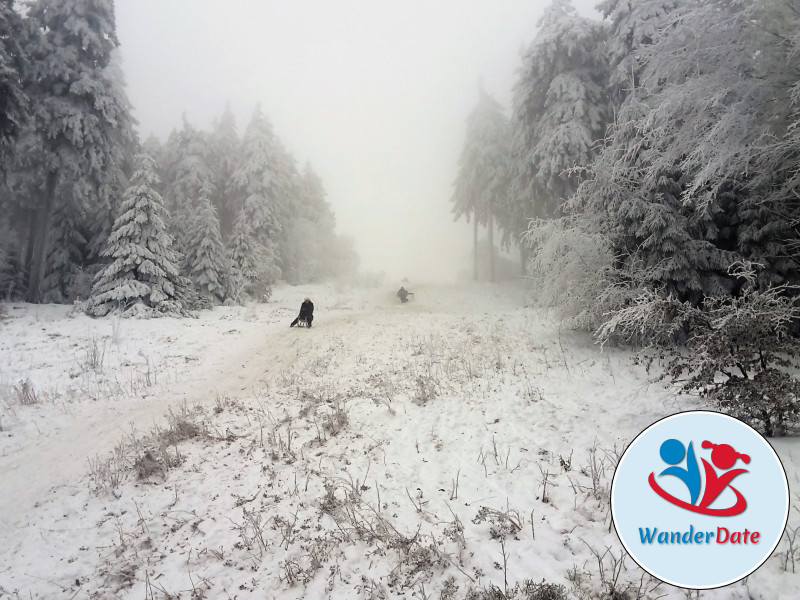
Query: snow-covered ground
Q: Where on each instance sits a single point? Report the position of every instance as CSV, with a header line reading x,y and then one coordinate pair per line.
x,y
430,450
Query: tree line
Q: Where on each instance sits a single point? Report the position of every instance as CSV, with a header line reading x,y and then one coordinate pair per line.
x,y
649,175
89,212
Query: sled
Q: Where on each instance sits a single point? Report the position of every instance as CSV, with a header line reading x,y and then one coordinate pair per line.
x,y
302,323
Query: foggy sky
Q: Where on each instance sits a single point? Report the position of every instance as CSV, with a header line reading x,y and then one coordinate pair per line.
x,y
374,94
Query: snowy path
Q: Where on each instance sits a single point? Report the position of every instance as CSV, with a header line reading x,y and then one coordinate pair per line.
x,y
233,366
368,457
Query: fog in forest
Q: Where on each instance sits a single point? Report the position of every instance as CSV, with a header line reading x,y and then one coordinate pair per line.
x,y
373,94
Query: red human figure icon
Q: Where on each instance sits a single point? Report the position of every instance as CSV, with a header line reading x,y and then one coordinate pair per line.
x,y
724,457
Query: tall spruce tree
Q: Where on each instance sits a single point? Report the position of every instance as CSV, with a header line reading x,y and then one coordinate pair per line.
x,y
223,159
712,90
254,267
263,180
78,114
308,243
769,233
482,184
142,277
312,203
123,147
187,172
65,252
14,100
242,252
560,110
632,27
88,205
206,262
671,185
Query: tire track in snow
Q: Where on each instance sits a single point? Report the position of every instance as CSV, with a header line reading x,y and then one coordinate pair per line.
x,y
236,367
44,464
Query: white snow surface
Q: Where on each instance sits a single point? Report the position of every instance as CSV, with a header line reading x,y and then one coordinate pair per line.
x,y
393,450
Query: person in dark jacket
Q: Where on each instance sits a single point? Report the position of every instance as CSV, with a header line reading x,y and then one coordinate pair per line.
x,y
403,294
306,313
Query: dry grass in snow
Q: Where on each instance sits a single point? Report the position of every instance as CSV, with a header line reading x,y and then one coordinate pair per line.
x,y
459,446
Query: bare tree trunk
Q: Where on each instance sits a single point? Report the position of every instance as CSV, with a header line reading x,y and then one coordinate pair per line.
x,y
225,214
225,223
523,257
27,257
490,226
40,240
475,245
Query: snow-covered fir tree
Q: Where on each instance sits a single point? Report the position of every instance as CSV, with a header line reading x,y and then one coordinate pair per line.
x,y
482,185
633,25
714,89
223,159
675,200
242,253
14,100
560,109
65,252
696,172
312,203
206,262
83,219
263,180
253,266
78,117
142,277
123,146
768,233
309,239
186,173
153,147
187,168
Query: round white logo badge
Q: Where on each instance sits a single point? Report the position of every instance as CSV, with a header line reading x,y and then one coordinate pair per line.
x,y
700,500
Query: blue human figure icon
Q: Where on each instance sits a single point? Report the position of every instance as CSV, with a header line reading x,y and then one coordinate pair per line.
x,y
672,453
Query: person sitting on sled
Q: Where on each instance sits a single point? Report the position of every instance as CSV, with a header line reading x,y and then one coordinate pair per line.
x,y
403,294
306,313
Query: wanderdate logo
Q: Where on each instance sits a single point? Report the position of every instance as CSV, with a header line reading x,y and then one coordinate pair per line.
x,y
723,457
699,500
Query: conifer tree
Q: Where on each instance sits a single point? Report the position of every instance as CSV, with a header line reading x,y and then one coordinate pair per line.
x,y
768,234
482,184
103,194
14,100
633,26
674,198
78,114
560,110
263,180
307,250
187,168
223,159
312,203
65,253
715,90
254,269
142,277
243,248
206,262
187,172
